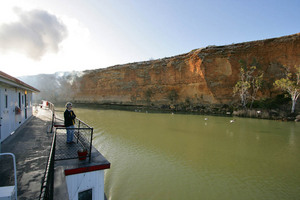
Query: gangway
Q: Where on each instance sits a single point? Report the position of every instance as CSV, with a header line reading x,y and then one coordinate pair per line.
x,y
9,192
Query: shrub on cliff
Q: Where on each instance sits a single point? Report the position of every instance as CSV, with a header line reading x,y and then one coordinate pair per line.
x,y
173,96
272,103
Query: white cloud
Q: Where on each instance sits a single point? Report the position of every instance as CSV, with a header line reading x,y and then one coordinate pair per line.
x,y
34,34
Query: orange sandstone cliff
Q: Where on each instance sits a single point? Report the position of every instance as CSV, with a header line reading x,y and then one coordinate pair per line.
x,y
201,77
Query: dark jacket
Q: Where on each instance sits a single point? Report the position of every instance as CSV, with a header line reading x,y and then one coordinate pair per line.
x,y
69,118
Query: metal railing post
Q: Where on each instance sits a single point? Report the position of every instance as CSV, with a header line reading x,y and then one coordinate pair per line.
x,y
51,130
78,131
51,107
91,143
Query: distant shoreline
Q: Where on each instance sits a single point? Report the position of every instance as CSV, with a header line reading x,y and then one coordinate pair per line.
x,y
270,114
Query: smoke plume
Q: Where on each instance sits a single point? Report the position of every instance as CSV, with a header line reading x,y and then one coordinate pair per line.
x,y
36,33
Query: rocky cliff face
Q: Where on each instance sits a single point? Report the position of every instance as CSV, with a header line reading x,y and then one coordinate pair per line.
x,y
200,77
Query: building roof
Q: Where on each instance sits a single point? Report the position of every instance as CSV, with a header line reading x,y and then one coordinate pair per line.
x,y
10,80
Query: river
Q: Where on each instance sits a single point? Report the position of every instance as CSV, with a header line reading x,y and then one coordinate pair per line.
x,y
176,156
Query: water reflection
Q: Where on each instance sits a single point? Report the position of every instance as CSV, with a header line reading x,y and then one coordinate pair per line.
x,y
292,136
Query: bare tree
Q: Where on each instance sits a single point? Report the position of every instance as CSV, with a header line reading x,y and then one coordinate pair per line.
x,y
242,87
249,83
290,84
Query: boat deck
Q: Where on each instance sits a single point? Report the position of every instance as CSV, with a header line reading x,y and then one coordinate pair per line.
x,y
31,146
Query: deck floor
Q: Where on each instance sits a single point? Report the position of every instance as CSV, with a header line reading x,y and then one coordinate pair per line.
x,y
65,151
31,146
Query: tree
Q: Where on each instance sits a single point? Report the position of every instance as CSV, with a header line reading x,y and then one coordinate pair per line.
x,y
242,87
290,84
249,83
256,84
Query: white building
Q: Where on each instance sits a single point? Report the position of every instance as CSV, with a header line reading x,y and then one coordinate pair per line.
x,y
15,104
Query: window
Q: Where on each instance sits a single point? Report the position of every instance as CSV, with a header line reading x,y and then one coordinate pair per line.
x,y
6,101
86,195
19,100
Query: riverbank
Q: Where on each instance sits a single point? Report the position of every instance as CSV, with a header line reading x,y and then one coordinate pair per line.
x,y
272,114
282,113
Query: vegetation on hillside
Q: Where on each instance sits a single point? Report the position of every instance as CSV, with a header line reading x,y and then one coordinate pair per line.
x,y
291,85
249,83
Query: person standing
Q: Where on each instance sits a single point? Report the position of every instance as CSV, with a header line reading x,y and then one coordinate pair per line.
x,y
69,116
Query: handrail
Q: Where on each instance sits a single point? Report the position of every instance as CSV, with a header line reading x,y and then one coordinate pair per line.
x,y
60,119
15,171
46,189
83,122
52,108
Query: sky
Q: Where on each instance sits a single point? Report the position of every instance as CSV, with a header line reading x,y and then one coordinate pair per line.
x,y
48,36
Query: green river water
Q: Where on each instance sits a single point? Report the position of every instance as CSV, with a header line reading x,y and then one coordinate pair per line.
x,y
175,156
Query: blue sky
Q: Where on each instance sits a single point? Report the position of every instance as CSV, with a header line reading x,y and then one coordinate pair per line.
x,y
42,36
